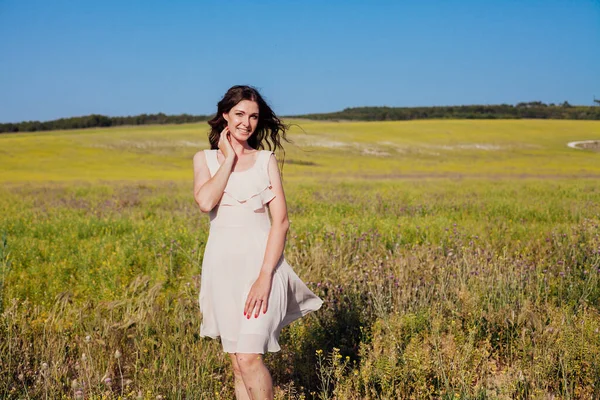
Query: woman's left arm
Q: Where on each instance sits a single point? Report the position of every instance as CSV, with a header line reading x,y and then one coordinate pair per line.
x,y
279,222
258,297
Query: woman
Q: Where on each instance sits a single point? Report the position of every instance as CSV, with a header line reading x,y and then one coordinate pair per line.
x,y
248,291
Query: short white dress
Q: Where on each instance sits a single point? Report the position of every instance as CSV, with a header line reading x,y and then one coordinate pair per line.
x,y
233,257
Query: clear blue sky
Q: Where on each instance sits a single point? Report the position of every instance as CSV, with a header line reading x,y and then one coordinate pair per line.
x,y
67,58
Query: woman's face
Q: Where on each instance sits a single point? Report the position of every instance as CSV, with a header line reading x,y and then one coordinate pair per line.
x,y
242,119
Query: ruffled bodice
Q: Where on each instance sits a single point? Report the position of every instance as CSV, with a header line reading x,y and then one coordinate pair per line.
x,y
250,188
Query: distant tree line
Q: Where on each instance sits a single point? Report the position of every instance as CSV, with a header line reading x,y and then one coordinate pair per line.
x,y
534,109
100,121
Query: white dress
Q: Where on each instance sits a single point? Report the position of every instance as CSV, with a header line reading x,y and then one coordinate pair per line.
x,y
239,228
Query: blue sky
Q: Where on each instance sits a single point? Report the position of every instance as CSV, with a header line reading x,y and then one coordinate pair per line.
x,y
67,58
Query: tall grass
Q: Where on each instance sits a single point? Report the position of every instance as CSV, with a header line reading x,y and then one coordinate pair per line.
x,y
432,288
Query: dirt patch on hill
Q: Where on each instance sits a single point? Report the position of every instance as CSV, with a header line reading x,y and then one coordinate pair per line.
x,y
593,145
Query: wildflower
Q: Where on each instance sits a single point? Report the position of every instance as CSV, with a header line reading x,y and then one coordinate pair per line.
x,y
79,394
83,357
44,366
118,354
88,338
108,381
21,377
74,384
319,352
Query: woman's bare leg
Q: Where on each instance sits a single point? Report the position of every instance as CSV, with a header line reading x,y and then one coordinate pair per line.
x,y
240,389
256,376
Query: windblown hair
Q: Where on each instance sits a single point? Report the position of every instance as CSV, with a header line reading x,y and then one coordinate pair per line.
x,y
269,132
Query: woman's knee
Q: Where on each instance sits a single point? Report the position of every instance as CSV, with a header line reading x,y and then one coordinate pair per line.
x,y
248,362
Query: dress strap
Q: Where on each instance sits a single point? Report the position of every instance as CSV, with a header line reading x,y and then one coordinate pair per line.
x,y
264,157
263,160
211,161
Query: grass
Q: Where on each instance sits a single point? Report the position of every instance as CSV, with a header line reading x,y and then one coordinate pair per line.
x,y
445,273
340,150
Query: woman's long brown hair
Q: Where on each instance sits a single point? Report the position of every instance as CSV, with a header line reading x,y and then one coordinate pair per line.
x,y
269,132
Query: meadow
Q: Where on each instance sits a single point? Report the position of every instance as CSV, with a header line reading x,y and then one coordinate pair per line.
x,y
456,259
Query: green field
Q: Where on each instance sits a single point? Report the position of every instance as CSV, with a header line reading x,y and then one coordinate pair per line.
x,y
457,259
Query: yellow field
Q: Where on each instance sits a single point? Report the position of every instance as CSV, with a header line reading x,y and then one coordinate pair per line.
x,y
338,150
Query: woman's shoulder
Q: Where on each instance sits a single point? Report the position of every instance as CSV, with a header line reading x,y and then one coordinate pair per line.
x,y
206,158
201,155
264,157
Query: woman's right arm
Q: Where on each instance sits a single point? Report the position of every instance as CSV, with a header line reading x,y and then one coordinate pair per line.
x,y
208,191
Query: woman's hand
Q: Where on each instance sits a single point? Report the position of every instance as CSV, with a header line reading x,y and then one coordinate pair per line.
x,y
225,144
258,297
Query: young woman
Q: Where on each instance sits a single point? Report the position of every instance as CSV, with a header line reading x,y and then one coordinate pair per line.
x,y
248,291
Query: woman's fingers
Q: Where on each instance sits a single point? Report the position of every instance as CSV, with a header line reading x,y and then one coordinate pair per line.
x,y
256,310
254,305
223,137
225,142
247,308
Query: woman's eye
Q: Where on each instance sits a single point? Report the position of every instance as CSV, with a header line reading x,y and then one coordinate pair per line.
x,y
238,114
